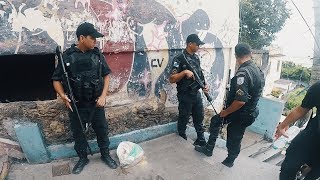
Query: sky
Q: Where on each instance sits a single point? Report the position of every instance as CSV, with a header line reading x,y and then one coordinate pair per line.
x,y
295,39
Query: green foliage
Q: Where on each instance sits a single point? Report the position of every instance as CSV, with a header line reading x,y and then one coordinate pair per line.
x,y
260,20
276,93
295,72
295,98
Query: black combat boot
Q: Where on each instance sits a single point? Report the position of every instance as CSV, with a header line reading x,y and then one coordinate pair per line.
x,y
106,158
183,135
228,161
83,161
200,141
207,149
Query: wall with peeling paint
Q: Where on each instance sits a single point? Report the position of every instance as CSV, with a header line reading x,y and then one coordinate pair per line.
x,y
141,36
141,39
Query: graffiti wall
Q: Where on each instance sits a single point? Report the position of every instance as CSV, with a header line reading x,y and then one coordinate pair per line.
x,y
141,38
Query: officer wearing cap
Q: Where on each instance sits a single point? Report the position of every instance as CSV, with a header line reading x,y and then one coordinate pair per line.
x,y
189,96
245,90
89,78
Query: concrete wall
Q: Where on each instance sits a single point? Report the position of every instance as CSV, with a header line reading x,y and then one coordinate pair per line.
x,y
270,62
273,75
141,39
274,68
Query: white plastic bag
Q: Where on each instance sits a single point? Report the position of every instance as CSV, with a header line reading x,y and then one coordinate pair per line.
x,y
129,154
292,132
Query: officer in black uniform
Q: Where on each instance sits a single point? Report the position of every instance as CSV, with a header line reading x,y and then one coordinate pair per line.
x,y
189,96
305,147
245,90
89,79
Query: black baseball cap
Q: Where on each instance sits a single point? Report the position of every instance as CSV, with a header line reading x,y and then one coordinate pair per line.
x,y
86,29
194,38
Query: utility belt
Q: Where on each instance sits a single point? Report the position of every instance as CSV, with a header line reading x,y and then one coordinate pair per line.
x,y
253,112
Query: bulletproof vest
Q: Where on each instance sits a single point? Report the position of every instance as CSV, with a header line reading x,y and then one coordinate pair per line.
x,y
256,84
185,84
85,76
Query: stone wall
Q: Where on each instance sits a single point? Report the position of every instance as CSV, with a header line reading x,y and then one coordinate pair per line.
x,y
53,118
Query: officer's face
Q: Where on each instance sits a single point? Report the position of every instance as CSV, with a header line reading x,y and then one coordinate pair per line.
x,y
88,41
194,46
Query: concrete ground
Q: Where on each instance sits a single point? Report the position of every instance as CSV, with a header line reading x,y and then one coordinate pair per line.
x,y
166,158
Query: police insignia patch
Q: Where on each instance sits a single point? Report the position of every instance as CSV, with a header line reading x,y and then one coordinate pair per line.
x,y
175,64
240,92
240,80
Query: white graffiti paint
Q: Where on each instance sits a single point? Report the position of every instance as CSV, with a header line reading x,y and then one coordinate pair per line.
x,y
35,21
84,3
118,31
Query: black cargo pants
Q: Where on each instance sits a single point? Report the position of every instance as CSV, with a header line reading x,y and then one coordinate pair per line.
x,y
237,124
99,125
190,104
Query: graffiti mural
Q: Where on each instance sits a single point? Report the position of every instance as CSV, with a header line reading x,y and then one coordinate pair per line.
x,y
141,37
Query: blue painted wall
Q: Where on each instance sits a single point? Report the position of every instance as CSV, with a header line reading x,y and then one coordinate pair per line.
x,y
270,111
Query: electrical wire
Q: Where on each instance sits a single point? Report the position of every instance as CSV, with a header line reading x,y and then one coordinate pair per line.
x,y
306,24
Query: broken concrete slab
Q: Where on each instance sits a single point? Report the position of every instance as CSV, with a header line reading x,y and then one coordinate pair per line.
x,y
11,149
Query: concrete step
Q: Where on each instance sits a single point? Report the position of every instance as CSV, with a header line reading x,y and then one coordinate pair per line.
x,y
253,145
276,159
255,148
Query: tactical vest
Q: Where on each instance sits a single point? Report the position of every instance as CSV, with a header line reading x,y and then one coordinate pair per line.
x,y
189,85
85,76
256,84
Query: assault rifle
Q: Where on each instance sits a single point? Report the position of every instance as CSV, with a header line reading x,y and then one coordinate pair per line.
x,y
225,98
70,94
198,82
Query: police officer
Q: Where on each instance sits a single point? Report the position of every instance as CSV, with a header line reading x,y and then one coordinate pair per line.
x,y
89,79
245,90
305,147
189,96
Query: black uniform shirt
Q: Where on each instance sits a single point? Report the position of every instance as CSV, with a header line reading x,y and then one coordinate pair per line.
x,y
179,65
78,54
312,98
247,85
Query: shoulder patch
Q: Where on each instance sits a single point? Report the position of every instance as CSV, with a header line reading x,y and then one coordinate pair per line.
x,y
176,64
240,92
240,80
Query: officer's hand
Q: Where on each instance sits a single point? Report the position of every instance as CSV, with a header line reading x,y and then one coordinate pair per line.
x,y
223,114
281,131
188,74
101,101
67,101
206,89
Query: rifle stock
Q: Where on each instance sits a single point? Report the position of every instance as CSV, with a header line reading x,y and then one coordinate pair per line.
x,y
70,94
